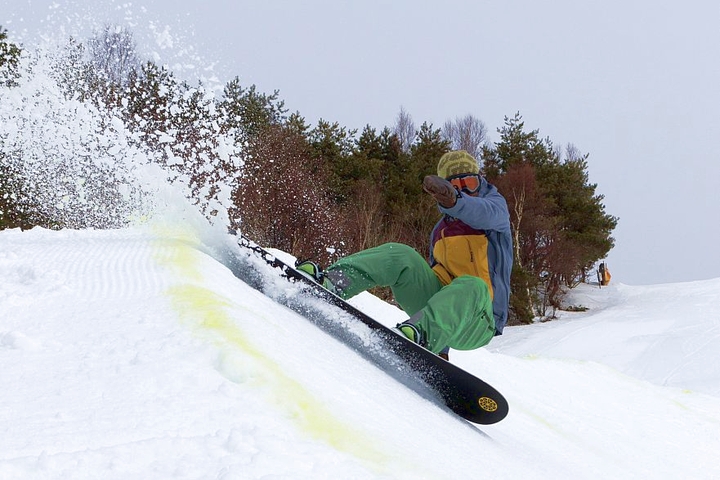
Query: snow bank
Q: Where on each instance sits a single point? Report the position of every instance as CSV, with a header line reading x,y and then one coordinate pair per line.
x,y
136,354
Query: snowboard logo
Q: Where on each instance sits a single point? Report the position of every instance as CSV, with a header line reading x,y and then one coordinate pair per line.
x,y
487,404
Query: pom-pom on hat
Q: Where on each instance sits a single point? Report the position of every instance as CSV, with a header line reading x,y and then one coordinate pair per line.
x,y
457,162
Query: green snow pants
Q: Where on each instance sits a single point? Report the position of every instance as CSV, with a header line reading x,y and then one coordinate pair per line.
x,y
458,315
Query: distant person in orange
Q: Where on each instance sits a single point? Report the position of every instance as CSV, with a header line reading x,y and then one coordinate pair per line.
x,y
604,274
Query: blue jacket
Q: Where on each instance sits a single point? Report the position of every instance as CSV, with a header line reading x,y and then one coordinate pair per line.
x,y
474,238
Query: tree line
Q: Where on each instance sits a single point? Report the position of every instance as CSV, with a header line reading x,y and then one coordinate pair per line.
x,y
319,191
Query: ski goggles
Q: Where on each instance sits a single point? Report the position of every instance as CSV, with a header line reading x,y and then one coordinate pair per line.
x,y
468,183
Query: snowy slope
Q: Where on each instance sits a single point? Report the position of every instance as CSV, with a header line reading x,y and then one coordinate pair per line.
x,y
137,354
666,334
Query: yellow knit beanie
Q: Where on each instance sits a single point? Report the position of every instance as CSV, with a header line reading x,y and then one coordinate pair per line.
x,y
456,163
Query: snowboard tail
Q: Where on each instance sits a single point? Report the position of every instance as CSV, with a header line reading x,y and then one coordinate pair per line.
x,y
466,395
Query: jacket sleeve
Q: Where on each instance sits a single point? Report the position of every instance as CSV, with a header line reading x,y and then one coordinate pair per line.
x,y
489,212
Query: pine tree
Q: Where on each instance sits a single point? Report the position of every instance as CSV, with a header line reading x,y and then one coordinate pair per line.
x,y
559,224
9,212
9,60
333,145
247,112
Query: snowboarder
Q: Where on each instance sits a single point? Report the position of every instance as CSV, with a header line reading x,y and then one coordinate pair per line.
x,y
460,299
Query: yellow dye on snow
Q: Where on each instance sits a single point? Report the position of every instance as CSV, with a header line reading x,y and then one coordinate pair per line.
x,y
207,312
306,410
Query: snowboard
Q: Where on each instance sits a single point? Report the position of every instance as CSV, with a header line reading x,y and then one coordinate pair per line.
x,y
421,370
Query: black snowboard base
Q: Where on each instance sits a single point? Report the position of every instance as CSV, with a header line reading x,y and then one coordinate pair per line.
x,y
426,373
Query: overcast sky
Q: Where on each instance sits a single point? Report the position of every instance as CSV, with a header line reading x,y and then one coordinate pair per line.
x,y
636,84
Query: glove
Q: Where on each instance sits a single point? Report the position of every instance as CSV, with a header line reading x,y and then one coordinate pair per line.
x,y
444,193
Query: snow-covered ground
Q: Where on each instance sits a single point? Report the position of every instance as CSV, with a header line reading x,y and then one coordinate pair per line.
x,y
136,353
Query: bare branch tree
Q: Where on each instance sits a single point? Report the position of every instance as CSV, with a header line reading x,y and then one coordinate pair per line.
x,y
467,133
572,153
112,52
405,130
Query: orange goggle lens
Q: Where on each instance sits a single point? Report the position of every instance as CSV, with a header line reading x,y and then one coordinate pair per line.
x,y
466,183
